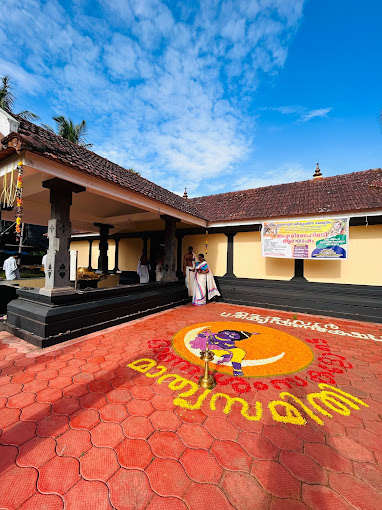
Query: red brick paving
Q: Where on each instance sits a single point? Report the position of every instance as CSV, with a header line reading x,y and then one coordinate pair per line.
x,y
81,430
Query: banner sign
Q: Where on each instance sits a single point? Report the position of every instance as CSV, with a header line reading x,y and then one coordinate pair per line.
x,y
310,239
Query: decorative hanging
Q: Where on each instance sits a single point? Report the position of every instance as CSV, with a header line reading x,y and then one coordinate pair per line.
x,y
19,199
8,194
206,242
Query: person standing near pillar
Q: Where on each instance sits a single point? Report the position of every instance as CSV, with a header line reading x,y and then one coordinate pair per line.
x,y
189,260
143,268
11,268
204,284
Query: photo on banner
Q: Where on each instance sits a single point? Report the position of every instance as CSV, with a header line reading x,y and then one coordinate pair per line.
x,y
309,239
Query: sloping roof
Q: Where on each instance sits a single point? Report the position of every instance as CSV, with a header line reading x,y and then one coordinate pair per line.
x,y
357,191
38,140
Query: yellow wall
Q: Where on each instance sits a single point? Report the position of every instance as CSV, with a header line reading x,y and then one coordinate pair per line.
x,y
217,250
83,253
129,252
363,267
249,263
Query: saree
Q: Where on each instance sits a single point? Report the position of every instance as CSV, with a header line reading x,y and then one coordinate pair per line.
x,y
204,285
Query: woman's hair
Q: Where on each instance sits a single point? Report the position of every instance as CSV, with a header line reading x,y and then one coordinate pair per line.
x,y
201,255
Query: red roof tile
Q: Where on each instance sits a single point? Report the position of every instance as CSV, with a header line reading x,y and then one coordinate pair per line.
x,y
358,191
38,140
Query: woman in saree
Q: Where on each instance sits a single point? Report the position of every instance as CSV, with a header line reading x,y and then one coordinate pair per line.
x,y
204,283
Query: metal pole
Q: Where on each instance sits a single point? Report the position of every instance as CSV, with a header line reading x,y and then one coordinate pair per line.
x,y
21,238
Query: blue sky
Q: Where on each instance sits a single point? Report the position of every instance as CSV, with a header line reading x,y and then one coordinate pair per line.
x,y
215,96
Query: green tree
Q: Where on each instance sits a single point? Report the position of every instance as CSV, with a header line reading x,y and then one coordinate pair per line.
x,y
75,133
7,100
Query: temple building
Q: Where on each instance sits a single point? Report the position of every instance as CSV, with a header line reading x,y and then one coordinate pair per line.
x,y
267,247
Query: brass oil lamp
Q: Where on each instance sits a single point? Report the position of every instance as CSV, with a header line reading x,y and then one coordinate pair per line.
x,y
207,380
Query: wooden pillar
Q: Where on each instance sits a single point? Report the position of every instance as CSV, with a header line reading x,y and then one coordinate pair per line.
x,y
230,237
169,249
103,260
116,268
299,270
90,255
57,272
179,259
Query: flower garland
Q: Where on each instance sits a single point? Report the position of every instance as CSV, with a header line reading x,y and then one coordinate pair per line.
x,y
19,199
206,242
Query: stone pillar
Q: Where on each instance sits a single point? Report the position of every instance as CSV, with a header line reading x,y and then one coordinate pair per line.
x,y
103,260
169,249
116,268
90,255
299,270
230,237
59,231
179,259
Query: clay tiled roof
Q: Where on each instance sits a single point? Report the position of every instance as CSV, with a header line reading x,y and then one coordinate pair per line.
x,y
38,140
358,191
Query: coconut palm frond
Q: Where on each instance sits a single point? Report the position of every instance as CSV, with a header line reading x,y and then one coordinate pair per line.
x,y
75,133
7,99
27,115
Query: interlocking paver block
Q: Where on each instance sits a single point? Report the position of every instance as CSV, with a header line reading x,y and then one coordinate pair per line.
x,y
134,453
195,436
113,412
231,456
167,477
138,427
58,475
174,458
36,452
16,486
87,494
84,419
166,445
276,479
73,443
356,492
320,497
43,502
201,466
129,489
107,434
202,496
99,464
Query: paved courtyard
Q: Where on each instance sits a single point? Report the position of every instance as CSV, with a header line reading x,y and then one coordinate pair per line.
x,y
116,419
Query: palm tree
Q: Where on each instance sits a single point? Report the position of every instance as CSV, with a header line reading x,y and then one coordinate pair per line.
x,y
75,133
7,100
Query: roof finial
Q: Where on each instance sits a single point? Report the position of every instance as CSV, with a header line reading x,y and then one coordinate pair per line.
x,y
185,193
317,172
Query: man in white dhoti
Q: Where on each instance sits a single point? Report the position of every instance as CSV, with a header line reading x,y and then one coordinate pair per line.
x,y
203,279
11,268
188,270
143,269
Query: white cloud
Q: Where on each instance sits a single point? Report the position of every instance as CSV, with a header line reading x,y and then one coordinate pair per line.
x,y
288,172
163,91
319,112
301,113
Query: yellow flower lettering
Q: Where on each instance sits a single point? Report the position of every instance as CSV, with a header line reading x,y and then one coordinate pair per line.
x,y
142,365
308,411
230,401
292,415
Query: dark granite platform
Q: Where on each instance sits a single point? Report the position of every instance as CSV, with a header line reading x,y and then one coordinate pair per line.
x,y
44,320
356,302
